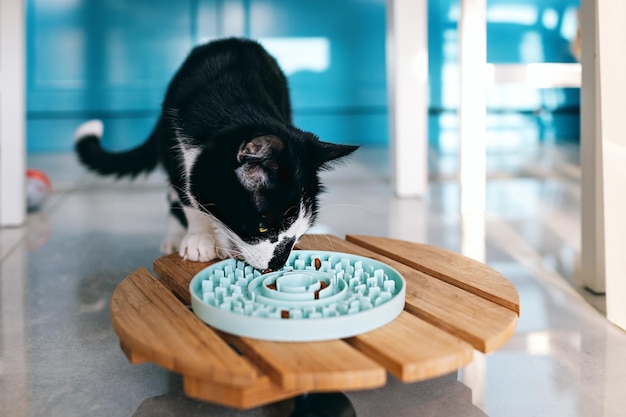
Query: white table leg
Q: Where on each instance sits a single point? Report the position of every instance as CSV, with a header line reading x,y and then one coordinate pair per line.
x,y
612,61
592,219
12,113
407,83
472,125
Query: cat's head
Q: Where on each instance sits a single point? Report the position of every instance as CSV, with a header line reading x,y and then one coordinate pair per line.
x,y
263,190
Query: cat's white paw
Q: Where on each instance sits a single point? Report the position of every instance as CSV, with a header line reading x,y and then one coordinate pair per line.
x,y
198,247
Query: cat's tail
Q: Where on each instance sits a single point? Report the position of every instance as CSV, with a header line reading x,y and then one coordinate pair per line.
x,y
143,158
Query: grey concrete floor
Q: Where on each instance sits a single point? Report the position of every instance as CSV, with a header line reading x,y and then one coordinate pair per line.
x,y
59,355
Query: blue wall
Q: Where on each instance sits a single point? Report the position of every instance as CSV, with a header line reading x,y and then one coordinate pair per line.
x,y
112,59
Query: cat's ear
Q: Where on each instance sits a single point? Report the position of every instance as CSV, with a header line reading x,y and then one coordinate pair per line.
x,y
328,154
262,148
257,159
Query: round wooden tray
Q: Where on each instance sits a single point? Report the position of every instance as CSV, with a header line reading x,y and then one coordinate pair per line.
x,y
453,306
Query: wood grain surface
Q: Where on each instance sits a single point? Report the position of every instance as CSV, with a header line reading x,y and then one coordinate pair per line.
x,y
413,350
455,269
480,322
453,306
152,322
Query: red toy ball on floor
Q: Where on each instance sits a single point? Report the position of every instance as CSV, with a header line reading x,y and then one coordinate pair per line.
x,y
38,187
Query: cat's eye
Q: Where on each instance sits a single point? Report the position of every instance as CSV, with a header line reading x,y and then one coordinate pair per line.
x,y
262,227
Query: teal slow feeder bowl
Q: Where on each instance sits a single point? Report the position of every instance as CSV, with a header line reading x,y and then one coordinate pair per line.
x,y
317,295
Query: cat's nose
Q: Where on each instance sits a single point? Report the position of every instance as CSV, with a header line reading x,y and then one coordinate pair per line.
x,y
281,253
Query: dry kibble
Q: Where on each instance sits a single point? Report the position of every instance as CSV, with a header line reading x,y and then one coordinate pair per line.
x,y
318,263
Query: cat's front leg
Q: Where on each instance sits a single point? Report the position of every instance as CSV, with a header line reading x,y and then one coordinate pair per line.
x,y
176,224
173,236
199,242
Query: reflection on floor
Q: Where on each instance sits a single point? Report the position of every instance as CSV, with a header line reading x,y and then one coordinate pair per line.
x,y
60,357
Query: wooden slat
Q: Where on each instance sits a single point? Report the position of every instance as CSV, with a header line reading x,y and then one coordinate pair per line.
x,y
482,323
176,273
264,391
413,350
132,356
152,323
453,268
313,366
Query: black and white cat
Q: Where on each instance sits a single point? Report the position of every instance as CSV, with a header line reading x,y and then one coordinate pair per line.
x,y
244,181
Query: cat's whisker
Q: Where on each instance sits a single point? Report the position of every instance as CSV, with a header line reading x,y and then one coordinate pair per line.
x,y
348,205
331,231
317,237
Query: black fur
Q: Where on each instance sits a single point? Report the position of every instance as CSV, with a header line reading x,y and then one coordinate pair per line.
x,y
229,104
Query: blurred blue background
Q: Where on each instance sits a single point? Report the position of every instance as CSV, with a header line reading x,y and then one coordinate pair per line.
x,y
112,59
